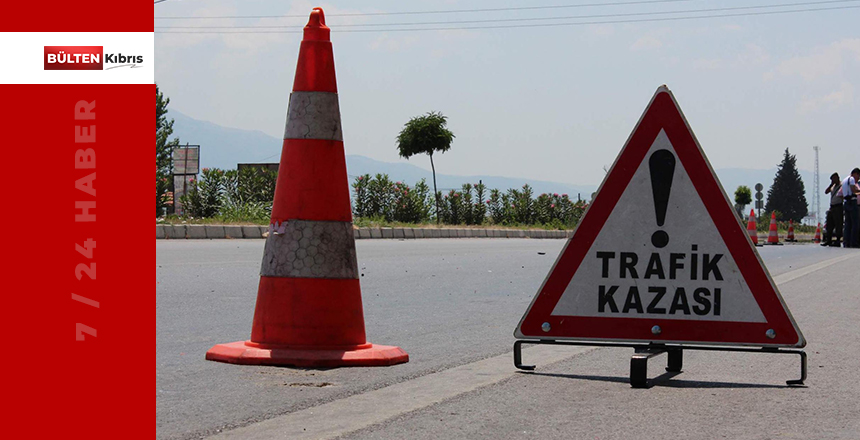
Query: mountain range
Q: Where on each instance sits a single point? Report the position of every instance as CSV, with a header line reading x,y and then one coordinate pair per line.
x,y
224,147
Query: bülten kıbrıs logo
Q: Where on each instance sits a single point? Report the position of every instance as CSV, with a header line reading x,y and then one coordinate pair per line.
x,y
87,58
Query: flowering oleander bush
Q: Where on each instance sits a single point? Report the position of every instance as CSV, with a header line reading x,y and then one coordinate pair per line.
x,y
499,207
412,205
250,185
246,196
232,195
162,191
451,208
522,206
203,197
555,209
378,198
464,207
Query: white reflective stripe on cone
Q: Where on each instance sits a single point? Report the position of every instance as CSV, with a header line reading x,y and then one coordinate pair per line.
x,y
313,115
310,249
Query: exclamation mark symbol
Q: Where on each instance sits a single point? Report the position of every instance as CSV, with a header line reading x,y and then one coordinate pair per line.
x,y
662,164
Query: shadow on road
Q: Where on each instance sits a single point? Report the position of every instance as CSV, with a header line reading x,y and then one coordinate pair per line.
x,y
662,381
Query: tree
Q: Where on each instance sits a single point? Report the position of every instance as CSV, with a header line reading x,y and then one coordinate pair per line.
x,y
426,134
743,197
163,151
787,195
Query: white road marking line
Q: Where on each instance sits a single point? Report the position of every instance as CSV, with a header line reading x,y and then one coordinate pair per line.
x,y
355,412
360,411
806,270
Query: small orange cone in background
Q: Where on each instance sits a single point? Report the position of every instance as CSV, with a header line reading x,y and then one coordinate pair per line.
x,y
790,237
751,228
309,311
817,238
773,235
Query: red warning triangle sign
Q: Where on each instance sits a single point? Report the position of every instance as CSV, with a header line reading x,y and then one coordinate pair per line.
x,y
660,255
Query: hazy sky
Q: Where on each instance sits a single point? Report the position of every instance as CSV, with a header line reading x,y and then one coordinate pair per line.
x,y
552,103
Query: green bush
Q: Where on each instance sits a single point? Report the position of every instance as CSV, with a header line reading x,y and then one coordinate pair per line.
x,y
555,209
411,205
522,205
361,202
162,189
203,198
256,212
464,207
250,185
497,207
451,210
380,199
479,208
233,195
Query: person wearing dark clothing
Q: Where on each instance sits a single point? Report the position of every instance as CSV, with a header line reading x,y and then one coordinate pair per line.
x,y
851,230
833,226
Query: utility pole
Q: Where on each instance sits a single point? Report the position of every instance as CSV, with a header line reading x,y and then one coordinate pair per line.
x,y
816,189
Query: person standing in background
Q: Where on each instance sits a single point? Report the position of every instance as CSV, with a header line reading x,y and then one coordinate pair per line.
x,y
851,234
833,225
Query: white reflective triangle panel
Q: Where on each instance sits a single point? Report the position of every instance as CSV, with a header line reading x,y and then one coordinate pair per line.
x,y
694,275
660,255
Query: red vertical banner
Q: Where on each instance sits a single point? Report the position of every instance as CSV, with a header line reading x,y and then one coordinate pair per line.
x,y
76,137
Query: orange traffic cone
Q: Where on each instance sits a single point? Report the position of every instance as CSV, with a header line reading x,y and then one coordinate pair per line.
x,y
309,311
751,228
773,235
790,237
817,238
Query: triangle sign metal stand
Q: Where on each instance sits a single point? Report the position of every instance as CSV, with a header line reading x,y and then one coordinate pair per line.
x,y
702,285
643,352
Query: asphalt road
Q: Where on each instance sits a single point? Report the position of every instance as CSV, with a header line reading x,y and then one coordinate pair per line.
x,y
452,303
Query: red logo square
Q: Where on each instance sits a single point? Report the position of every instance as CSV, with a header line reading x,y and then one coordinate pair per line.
x,y
73,58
